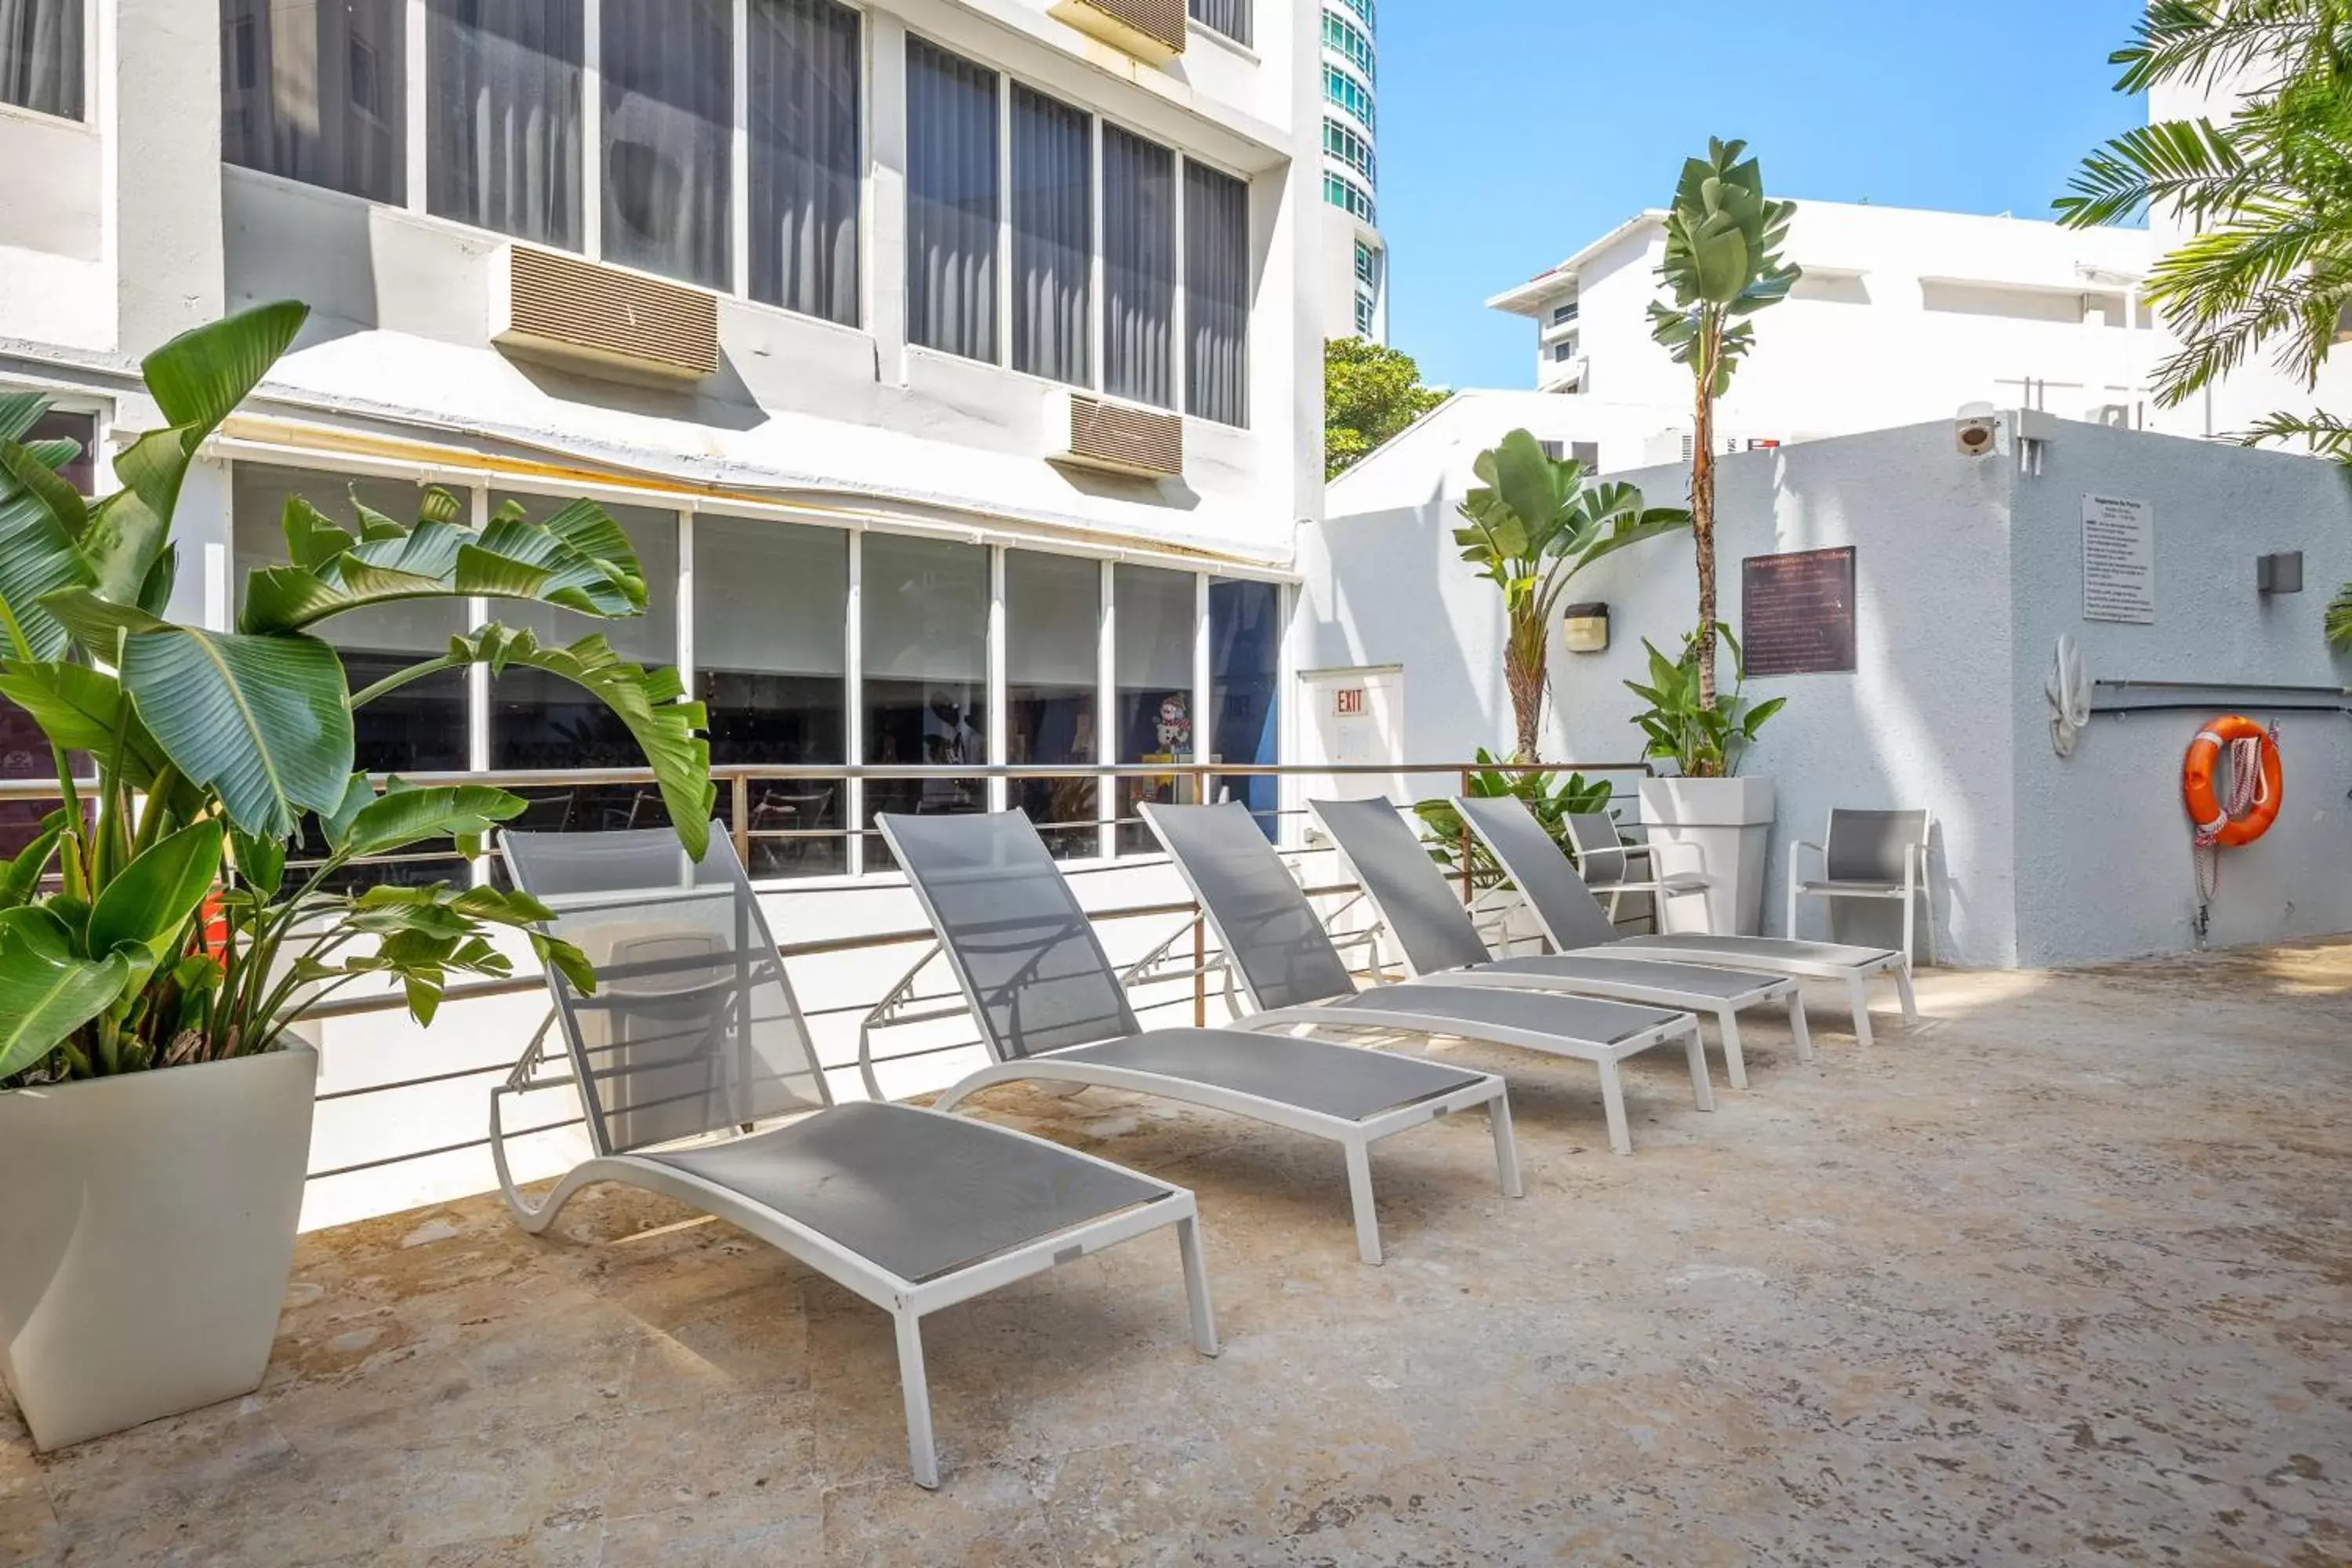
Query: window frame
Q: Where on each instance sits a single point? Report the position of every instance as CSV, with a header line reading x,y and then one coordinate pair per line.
x,y
92,114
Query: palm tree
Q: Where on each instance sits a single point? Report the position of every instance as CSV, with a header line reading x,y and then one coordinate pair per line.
x,y
1722,266
1536,523
2268,192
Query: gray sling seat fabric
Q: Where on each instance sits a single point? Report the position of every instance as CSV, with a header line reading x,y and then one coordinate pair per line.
x,y
1574,921
1576,1017
692,1034
1052,1009
1314,1075
1771,952
922,1195
1694,978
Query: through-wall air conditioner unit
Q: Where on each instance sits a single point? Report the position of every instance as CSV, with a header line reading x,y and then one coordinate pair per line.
x,y
1151,30
1088,432
554,306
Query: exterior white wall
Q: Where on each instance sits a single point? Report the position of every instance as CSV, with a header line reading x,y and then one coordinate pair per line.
x,y
2103,866
1966,571
133,230
1905,315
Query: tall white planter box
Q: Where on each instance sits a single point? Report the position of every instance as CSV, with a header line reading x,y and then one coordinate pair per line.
x,y
146,1238
1719,826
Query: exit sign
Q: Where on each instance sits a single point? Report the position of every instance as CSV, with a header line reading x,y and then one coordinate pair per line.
x,y
1347,702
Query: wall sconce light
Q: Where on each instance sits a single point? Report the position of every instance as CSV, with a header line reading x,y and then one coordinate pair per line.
x,y
1588,627
2280,574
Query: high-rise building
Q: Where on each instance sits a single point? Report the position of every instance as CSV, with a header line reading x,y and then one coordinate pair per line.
x,y
1356,259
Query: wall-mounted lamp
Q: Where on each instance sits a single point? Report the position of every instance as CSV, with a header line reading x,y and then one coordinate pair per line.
x,y
2280,574
1588,627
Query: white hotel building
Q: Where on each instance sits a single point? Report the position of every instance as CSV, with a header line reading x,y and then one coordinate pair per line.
x,y
978,410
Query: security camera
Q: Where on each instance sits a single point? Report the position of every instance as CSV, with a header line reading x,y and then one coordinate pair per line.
x,y
1977,432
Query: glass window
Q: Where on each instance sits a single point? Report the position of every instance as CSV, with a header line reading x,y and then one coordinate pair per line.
x,y
1246,690
1352,95
1230,18
1153,611
1367,315
1351,148
543,723
421,728
1339,33
770,614
80,471
40,55
923,614
314,91
669,87
1345,194
502,147
952,203
1138,268
805,157
1216,296
1053,238
1052,615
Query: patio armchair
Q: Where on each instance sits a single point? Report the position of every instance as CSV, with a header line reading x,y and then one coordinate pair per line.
x,y
1875,855
698,1081
1612,867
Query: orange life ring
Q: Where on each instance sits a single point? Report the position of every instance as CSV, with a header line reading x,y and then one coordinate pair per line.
x,y
2214,822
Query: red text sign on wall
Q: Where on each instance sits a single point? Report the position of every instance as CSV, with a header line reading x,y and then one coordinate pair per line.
x,y
1347,702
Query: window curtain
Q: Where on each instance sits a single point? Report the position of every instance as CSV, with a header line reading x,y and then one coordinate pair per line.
x,y
1230,18
1216,296
670,88
952,203
1053,238
1138,268
314,91
503,147
40,55
805,71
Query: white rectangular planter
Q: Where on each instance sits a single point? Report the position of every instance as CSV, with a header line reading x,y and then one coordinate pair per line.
x,y
146,1238
1719,826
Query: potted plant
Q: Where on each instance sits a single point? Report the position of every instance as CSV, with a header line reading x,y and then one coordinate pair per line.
x,y
160,936
1536,523
1722,268
1721,820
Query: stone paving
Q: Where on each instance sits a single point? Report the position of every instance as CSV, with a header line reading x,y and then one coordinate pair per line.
x,y
2063,1276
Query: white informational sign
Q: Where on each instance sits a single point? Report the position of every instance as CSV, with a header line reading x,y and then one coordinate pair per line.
x,y
2118,560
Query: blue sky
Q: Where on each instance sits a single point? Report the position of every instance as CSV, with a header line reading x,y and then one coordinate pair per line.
x,y
1513,132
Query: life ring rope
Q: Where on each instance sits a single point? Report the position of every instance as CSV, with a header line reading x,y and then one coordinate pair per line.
x,y
2257,791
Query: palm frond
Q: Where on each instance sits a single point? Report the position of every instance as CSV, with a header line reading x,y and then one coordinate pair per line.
x,y
2324,435
2202,42
2339,621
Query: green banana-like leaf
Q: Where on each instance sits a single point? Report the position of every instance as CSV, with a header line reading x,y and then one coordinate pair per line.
x,y
405,816
264,722
651,704
36,468
260,862
83,710
47,990
38,558
577,560
21,878
153,898
1529,484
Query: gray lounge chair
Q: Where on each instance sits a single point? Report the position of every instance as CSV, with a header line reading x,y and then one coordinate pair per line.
x,y
1440,938
1573,923
693,1038
1289,969
1052,1010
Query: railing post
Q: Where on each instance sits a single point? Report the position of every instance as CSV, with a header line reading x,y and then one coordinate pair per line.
x,y
1462,847
1200,975
743,821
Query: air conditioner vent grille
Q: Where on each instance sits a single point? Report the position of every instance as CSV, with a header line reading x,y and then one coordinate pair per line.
x,y
563,306
1153,30
1124,438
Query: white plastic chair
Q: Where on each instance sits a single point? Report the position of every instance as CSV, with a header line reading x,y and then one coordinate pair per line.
x,y
1871,855
1612,867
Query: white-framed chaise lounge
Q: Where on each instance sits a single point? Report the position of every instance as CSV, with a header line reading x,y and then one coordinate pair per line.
x,y
1440,942
1573,923
1052,1010
698,1081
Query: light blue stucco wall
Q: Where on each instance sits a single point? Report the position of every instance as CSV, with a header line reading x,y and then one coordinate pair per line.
x,y
1966,571
2104,860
